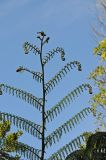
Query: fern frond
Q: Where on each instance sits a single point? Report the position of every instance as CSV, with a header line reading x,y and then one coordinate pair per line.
x,y
62,153
36,75
51,54
30,47
56,79
57,109
28,126
27,151
6,156
67,126
27,97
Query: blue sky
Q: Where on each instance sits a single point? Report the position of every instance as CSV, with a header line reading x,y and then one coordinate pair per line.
x,y
69,25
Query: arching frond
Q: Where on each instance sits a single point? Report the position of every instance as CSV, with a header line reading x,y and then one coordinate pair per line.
x,y
67,126
56,79
57,109
27,151
62,153
28,126
36,75
51,54
27,97
30,47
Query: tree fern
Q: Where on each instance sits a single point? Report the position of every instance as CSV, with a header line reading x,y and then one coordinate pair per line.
x,y
40,103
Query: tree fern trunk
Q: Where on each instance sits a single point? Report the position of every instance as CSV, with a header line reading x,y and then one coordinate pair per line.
x,y
43,105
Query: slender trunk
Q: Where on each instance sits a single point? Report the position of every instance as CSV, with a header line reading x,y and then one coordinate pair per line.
x,y
43,105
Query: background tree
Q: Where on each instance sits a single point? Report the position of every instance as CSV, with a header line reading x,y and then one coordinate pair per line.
x,y
95,148
40,103
99,29
8,142
98,76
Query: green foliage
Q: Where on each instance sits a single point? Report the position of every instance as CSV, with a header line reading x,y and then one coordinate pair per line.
x,y
101,50
98,100
4,128
8,141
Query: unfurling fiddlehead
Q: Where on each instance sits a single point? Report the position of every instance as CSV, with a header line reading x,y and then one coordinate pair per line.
x,y
51,54
30,47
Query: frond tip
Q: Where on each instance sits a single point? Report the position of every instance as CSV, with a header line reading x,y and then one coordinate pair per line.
x,y
51,54
67,126
36,75
30,47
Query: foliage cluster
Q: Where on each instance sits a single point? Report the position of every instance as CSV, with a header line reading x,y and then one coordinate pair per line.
x,y
98,76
